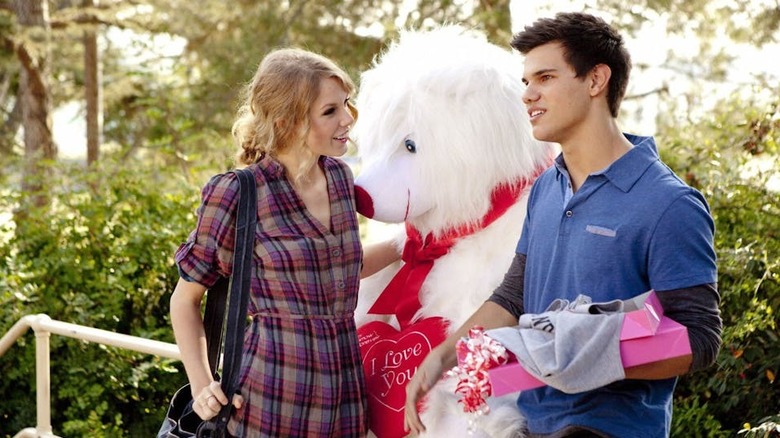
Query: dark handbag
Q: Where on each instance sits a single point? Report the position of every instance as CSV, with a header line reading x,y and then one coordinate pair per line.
x,y
180,420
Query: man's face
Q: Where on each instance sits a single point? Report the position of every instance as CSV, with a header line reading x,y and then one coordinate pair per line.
x,y
557,101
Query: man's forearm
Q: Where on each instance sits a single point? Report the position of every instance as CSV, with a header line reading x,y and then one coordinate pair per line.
x,y
489,316
697,308
664,369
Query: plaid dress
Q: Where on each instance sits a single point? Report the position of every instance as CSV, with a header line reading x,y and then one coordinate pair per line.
x,y
301,373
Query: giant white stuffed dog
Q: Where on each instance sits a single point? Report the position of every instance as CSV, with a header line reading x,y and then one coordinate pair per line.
x,y
445,146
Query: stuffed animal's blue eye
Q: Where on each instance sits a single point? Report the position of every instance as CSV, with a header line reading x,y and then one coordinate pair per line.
x,y
410,146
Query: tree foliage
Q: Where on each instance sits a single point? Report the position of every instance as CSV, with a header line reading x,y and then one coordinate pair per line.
x,y
732,157
99,258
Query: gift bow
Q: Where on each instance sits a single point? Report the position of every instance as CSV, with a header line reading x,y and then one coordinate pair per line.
x,y
477,353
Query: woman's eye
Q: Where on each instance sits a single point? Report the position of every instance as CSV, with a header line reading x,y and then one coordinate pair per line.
x,y
410,146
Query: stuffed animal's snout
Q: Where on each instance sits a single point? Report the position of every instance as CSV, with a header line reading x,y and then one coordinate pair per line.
x,y
365,205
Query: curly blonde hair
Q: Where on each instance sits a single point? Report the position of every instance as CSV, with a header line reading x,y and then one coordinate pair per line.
x,y
275,112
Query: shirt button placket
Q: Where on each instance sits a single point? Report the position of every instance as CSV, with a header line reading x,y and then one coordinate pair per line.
x,y
340,284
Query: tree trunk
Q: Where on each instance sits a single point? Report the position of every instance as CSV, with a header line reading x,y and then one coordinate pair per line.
x,y
93,91
33,16
13,119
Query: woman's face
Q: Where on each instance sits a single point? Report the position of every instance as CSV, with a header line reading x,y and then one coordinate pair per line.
x,y
329,120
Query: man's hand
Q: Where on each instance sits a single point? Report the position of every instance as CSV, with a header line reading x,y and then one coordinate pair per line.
x,y
490,315
428,373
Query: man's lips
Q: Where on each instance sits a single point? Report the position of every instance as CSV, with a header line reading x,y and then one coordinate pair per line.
x,y
535,113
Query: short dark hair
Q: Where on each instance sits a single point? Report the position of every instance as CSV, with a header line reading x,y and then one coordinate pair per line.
x,y
587,41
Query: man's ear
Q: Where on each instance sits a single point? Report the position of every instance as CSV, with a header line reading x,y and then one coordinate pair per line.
x,y
599,79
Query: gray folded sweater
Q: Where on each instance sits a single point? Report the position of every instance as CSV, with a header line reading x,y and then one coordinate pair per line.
x,y
572,346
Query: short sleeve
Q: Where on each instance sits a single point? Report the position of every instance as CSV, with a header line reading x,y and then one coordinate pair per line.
x,y
682,252
207,254
522,243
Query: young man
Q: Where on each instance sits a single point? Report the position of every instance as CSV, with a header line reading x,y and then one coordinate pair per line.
x,y
608,220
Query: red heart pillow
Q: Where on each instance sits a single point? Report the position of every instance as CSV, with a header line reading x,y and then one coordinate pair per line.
x,y
390,359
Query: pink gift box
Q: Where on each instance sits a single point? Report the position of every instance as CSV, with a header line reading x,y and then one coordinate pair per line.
x,y
643,314
670,340
646,336
511,377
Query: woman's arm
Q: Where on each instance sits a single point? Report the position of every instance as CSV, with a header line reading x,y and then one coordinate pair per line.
x,y
378,256
190,336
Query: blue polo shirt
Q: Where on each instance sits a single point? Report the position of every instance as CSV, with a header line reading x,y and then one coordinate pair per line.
x,y
632,227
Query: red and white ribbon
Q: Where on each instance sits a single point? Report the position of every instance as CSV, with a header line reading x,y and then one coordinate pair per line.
x,y
477,353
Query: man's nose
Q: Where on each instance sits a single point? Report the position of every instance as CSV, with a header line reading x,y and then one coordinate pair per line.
x,y
530,95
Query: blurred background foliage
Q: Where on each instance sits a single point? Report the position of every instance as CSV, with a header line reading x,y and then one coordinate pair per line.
x,y
91,241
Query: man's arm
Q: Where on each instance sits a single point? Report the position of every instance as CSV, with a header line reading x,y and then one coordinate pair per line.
x,y
697,309
509,294
444,357
498,311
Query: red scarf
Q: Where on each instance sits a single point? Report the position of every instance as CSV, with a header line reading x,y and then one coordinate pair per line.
x,y
401,296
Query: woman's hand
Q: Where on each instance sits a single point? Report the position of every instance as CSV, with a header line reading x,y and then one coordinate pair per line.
x,y
210,400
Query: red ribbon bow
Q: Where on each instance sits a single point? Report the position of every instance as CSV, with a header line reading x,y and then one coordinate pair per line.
x,y
401,296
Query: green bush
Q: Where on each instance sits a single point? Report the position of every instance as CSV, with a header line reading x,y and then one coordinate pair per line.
x,y
712,155
692,420
99,256
769,427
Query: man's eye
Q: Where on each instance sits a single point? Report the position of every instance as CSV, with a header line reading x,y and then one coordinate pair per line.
x,y
410,146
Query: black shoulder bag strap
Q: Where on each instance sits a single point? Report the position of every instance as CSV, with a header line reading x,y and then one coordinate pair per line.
x,y
239,287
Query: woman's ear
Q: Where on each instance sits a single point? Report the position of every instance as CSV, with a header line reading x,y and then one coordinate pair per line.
x,y
599,79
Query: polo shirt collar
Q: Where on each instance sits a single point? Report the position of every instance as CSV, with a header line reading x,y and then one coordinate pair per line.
x,y
627,170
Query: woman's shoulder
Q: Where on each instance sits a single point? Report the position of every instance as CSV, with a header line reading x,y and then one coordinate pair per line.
x,y
337,165
261,170
222,182
223,187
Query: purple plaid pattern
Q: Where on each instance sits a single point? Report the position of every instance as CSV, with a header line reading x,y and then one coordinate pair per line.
x,y
301,374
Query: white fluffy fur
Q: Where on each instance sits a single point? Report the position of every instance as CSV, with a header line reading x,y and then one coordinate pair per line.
x,y
459,99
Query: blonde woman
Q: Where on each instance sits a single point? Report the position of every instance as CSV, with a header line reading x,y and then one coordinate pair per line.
x,y
301,373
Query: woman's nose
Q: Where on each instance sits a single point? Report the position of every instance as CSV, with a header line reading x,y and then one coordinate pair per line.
x,y
348,118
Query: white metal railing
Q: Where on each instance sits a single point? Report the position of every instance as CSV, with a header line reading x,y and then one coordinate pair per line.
x,y
44,326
